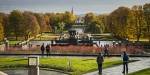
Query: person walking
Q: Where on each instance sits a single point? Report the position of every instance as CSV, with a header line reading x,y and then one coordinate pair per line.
x,y
125,58
100,61
47,50
42,49
106,52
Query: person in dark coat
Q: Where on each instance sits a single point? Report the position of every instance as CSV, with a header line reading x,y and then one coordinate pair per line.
x,y
47,50
106,52
42,49
100,61
125,58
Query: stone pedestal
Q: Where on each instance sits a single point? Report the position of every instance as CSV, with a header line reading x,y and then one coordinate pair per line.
x,y
33,63
33,70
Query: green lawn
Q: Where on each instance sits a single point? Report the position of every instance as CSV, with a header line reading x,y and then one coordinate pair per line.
x,y
13,42
142,72
79,65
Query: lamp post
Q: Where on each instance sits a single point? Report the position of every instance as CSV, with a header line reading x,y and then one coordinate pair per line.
x,y
33,63
69,64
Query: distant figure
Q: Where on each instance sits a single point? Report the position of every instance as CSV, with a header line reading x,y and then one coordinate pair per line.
x,y
42,49
6,42
47,50
106,52
125,58
30,45
100,61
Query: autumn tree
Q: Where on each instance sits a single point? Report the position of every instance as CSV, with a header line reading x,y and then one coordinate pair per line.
x,y
1,29
139,21
130,28
32,27
146,9
15,26
94,23
69,19
103,19
56,22
118,22
47,19
89,17
42,22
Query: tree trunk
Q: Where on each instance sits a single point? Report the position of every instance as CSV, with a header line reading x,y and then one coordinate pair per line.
x,y
149,38
16,37
138,38
148,32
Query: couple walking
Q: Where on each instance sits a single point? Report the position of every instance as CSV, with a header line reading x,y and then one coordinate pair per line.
x,y
47,48
125,59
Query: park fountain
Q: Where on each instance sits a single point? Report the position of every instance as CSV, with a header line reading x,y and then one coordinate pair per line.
x,y
74,38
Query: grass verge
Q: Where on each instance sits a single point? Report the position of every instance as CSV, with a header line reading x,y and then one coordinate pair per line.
x,y
142,72
71,65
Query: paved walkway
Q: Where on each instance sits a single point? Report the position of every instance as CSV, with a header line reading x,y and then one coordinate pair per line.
x,y
133,67
2,73
25,72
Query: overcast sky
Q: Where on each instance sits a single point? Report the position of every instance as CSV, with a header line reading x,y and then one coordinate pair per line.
x,y
80,6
